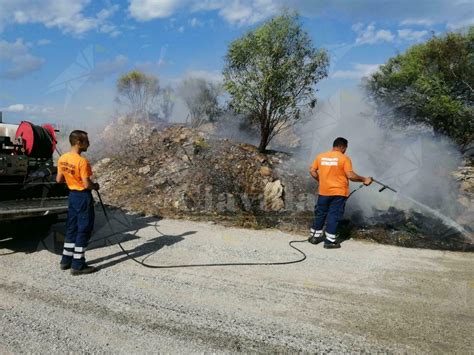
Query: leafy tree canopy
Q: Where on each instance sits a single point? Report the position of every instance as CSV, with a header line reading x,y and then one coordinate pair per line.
x,y
431,84
138,91
270,74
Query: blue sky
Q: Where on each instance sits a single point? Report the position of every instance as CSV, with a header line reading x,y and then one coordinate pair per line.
x,y
59,59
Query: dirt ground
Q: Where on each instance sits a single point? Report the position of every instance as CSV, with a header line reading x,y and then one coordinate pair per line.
x,y
362,297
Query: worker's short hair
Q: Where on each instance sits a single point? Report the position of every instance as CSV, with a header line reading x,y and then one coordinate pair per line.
x,y
77,137
340,142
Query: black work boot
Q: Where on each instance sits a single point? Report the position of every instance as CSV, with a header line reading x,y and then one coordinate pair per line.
x,y
86,269
316,240
65,266
331,245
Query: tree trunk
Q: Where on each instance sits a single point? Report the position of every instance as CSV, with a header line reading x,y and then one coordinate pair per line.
x,y
264,137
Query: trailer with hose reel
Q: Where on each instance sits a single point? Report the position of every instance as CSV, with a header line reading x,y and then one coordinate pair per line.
x,y
28,190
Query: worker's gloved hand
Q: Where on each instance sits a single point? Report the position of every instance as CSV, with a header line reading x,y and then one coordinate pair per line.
x,y
368,181
96,186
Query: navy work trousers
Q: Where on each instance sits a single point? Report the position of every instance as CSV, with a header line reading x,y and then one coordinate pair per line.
x,y
330,208
80,221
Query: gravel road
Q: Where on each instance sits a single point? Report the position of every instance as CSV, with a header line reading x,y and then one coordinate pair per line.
x,y
362,297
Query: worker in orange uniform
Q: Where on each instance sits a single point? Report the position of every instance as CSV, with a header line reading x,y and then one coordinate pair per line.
x,y
332,170
76,171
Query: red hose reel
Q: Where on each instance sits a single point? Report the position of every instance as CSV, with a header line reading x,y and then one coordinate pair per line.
x,y
38,141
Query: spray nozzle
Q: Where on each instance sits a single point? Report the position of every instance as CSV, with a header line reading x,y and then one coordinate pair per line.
x,y
383,186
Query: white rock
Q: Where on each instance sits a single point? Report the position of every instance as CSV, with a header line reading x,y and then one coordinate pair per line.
x,y
273,196
144,170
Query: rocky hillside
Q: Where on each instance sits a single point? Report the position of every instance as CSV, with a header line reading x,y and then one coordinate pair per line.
x,y
178,171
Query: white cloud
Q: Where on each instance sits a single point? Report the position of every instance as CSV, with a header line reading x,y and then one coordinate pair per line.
x,y
103,25
14,108
370,35
107,68
214,76
357,27
104,14
43,42
461,24
92,105
239,12
359,71
18,61
417,22
110,29
25,108
144,10
194,22
411,35
66,15
150,66
244,12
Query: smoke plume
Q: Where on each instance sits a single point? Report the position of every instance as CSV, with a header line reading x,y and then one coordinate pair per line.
x,y
410,159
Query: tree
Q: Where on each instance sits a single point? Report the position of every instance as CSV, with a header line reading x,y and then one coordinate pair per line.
x,y
430,84
200,96
270,75
138,91
167,103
